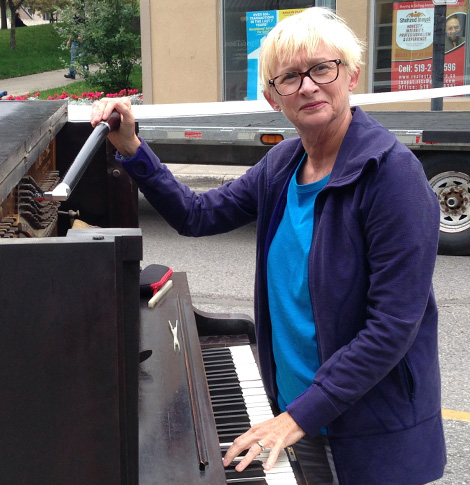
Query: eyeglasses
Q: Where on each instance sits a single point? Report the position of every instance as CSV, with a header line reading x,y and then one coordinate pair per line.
x,y
290,82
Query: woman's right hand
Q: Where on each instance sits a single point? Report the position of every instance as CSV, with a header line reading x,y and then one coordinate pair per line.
x,y
124,138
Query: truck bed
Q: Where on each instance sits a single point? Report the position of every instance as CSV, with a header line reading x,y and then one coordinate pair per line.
x,y
393,120
236,139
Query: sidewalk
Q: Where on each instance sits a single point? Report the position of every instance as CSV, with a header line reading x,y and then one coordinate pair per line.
x,y
19,86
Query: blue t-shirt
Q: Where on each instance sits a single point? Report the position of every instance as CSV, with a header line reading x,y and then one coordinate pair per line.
x,y
293,327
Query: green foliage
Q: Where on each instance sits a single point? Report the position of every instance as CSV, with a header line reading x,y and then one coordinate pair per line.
x,y
38,49
109,38
44,6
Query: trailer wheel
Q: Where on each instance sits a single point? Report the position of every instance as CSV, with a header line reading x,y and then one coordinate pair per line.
x,y
449,176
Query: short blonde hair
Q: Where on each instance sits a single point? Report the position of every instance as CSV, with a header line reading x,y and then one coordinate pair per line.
x,y
305,31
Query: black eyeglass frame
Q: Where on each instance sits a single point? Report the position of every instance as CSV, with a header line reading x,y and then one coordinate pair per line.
x,y
307,73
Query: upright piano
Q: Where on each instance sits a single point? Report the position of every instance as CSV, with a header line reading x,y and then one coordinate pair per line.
x,y
95,388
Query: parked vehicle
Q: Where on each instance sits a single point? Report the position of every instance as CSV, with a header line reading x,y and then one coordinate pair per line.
x,y
241,133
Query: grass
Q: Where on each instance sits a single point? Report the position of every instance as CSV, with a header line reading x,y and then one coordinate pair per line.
x,y
38,49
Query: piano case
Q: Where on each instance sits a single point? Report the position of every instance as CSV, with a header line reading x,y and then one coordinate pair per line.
x,y
69,351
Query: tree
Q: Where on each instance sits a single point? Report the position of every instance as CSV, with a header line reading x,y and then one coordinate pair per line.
x,y
13,9
111,38
3,14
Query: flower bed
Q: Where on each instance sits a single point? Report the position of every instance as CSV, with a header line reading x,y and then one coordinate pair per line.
x,y
84,98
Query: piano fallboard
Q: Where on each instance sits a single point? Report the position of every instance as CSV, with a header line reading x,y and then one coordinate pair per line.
x,y
177,431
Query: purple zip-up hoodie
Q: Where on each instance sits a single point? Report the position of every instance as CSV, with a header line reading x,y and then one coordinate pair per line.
x,y
371,263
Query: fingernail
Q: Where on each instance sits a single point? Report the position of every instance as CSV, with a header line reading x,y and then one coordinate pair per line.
x,y
267,466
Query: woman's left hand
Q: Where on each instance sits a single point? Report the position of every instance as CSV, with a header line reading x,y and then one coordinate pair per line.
x,y
274,434
124,138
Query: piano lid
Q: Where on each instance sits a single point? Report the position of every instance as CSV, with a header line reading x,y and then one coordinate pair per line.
x,y
26,128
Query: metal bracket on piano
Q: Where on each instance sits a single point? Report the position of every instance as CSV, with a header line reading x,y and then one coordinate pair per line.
x,y
174,331
60,193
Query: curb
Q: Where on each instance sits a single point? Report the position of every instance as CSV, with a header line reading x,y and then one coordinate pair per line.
x,y
204,180
205,176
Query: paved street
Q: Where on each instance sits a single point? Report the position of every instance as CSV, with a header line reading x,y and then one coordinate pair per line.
x,y
452,286
220,272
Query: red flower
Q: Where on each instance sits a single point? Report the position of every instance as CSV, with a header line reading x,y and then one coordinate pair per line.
x,y
90,96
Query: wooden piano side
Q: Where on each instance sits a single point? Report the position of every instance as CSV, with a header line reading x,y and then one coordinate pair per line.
x,y
69,317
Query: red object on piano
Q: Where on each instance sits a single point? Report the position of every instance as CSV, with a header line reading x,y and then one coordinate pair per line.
x,y
153,277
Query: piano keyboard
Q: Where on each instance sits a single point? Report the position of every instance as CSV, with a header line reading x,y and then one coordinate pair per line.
x,y
238,402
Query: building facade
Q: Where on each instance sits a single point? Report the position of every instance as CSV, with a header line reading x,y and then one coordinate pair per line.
x,y
207,50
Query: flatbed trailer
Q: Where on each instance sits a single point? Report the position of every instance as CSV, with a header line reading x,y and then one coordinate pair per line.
x,y
440,140
241,133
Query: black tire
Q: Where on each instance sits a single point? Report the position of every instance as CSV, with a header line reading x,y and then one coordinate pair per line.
x,y
449,176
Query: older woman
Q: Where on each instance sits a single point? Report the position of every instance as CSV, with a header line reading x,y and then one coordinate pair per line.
x,y
347,230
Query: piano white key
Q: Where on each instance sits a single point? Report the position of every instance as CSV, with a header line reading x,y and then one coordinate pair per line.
x,y
255,384
258,417
253,391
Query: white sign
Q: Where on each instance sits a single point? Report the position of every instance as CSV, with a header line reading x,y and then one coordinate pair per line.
x,y
415,28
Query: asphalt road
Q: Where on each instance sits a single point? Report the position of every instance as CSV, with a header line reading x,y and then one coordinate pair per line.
x,y
220,271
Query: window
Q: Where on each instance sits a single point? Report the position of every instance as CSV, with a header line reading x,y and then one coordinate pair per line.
x,y
405,53
238,82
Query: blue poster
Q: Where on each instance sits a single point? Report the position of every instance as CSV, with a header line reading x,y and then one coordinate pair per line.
x,y
258,24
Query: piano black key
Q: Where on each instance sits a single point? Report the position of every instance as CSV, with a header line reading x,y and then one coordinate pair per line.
x,y
217,381
218,361
229,394
248,481
255,470
222,391
229,434
233,405
234,417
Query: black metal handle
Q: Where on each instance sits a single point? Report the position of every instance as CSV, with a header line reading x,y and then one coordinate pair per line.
x,y
89,149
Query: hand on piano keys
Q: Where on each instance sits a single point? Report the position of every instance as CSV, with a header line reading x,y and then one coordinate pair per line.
x,y
229,369
275,434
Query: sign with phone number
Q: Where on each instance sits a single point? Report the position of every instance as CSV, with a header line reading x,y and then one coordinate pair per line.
x,y
418,74
412,62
